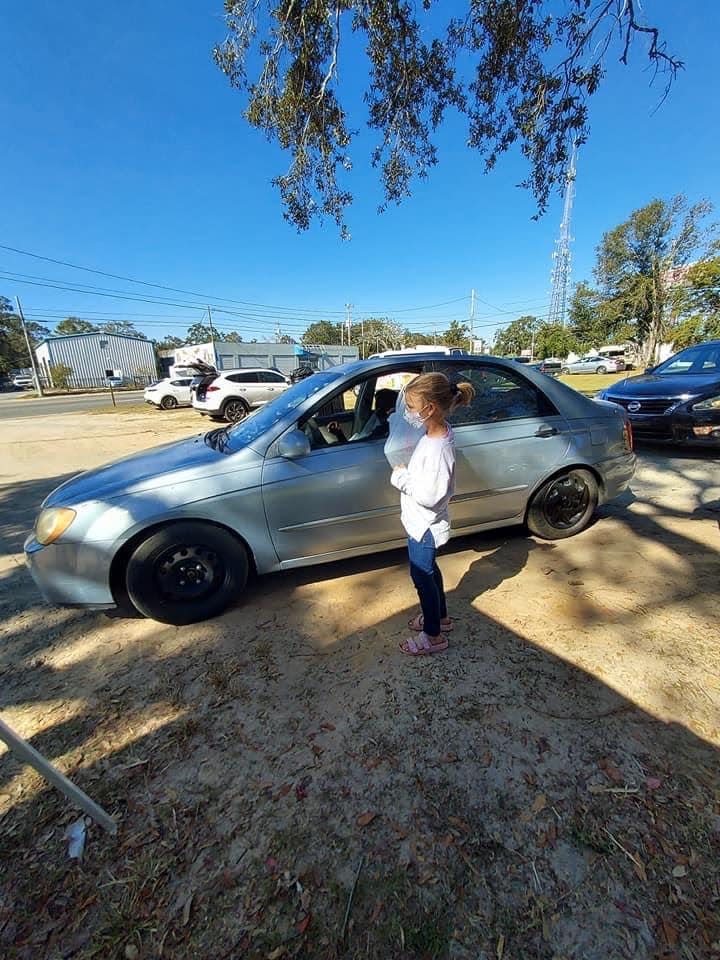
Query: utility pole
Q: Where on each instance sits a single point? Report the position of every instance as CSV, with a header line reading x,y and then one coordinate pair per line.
x,y
212,335
348,315
472,321
36,377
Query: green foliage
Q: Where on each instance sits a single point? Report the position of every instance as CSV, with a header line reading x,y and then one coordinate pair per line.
x,y
170,343
232,336
60,374
514,338
640,266
200,333
554,340
517,74
122,328
13,349
72,325
457,335
322,331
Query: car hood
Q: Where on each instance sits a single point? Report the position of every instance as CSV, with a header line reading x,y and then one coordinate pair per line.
x,y
189,459
671,385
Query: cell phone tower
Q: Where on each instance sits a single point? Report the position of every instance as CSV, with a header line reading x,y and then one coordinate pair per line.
x,y
561,255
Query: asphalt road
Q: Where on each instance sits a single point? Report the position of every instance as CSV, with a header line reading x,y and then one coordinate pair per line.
x,y
14,406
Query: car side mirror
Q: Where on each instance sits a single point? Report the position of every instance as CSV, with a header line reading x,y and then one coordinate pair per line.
x,y
294,445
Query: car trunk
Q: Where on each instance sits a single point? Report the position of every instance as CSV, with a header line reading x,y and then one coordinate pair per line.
x,y
204,376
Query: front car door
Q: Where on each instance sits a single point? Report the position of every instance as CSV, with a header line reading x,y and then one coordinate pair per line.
x,y
506,441
270,384
337,500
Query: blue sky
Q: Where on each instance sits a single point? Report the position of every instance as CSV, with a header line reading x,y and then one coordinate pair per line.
x,y
124,149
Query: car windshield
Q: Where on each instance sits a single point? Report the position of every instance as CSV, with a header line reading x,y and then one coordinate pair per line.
x,y
266,416
703,359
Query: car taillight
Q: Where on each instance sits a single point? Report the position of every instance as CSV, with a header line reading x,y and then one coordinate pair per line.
x,y
211,388
628,436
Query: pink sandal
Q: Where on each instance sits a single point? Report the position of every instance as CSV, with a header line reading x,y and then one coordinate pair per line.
x,y
418,624
422,646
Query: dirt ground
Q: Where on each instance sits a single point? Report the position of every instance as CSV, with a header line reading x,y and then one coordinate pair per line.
x,y
287,784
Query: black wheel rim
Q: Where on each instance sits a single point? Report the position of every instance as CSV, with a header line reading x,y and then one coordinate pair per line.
x,y
186,573
566,502
169,403
235,412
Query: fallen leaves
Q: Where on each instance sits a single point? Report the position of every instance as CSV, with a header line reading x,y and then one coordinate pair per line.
x,y
539,803
365,819
679,871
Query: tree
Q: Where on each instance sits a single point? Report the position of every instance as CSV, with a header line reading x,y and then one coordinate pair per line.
x,y
457,335
13,349
514,338
122,328
554,340
322,331
701,287
286,338
232,336
641,265
518,75
199,333
170,343
73,325
60,374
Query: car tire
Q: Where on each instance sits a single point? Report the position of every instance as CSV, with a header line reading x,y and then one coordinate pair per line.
x,y
186,572
601,370
168,403
564,505
235,410
565,371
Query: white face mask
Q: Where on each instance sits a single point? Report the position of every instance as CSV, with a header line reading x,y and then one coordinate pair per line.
x,y
413,418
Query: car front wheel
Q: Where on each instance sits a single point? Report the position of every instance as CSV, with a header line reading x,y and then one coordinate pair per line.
x,y
168,403
564,505
186,572
565,371
235,410
601,370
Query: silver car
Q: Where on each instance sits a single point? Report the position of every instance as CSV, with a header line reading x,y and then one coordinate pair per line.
x,y
592,365
175,531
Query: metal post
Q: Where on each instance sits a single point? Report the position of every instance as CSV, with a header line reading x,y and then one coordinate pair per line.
x,y
36,375
74,794
472,321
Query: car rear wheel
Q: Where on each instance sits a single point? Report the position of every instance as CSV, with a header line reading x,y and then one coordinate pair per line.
x,y
168,403
564,505
235,410
565,371
186,572
601,370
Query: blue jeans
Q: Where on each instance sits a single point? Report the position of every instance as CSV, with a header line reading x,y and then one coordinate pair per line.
x,y
428,582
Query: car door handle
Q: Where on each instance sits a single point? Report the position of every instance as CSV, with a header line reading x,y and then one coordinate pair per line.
x,y
546,432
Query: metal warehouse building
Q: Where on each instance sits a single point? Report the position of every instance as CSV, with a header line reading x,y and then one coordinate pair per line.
x,y
285,357
93,357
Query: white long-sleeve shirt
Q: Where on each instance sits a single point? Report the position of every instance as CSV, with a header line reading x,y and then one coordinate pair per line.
x,y
426,486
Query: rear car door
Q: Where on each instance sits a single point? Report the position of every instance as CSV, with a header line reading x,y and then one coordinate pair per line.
x,y
270,384
244,385
508,440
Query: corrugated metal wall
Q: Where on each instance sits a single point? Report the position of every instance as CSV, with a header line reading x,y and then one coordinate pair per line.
x,y
91,355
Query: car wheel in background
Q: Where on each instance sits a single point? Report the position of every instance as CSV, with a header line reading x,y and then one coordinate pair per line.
x,y
186,572
565,371
601,370
168,403
564,505
235,410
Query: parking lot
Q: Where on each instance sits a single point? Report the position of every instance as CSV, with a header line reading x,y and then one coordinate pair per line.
x,y
548,788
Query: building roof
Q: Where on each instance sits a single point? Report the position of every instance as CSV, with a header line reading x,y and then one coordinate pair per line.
x,y
95,333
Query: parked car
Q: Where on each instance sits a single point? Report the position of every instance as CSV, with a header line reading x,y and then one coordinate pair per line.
x,y
550,368
591,365
232,394
678,400
618,353
174,531
169,393
21,382
116,382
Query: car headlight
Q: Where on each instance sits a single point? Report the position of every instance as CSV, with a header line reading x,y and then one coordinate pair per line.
x,y
52,523
709,403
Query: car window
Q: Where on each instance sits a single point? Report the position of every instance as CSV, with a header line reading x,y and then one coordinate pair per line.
x,y
250,377
499,395
700,359
267,376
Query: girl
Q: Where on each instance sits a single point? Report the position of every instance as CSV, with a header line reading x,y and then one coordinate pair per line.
x,y
426,485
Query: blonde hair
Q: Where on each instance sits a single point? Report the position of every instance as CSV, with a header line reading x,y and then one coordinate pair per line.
x,y
435,388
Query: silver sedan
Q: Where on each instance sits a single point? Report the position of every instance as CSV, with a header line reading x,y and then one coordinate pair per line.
x,y
174,532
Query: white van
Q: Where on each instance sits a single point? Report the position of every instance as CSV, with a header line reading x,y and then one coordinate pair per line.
x,y
617,353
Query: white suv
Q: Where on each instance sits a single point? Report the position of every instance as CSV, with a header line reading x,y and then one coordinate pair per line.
x,y
169,393
232,394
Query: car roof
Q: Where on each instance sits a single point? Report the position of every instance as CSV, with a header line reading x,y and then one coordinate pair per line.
x,y
222,373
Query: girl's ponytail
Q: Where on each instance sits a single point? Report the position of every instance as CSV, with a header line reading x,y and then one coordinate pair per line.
x,y
464,394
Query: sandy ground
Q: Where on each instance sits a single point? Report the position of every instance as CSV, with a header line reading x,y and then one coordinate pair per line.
x,y
548,788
